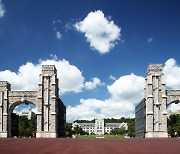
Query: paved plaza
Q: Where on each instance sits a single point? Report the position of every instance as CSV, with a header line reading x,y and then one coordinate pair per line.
x,y
90,146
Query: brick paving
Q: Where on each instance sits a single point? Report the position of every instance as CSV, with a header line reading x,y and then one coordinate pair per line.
x,y
89,146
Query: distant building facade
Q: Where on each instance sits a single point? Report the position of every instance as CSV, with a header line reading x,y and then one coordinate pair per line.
x,y
61,119
27,112
99,127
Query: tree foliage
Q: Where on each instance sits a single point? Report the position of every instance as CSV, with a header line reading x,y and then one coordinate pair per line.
x,y
108,120
117,131
15,124
174,125
131,127
27,127
22,127
78,130
68,130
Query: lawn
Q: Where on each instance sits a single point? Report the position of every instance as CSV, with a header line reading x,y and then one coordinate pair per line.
x,y
104,136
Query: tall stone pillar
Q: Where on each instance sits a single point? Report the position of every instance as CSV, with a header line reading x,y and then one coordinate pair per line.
x,y
40,107
155,102
47,97
5,87
1,110
164,107
149,102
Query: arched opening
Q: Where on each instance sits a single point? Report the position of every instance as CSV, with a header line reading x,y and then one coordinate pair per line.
x,y
22,120
173,118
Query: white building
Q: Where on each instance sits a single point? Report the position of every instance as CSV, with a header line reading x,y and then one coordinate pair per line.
x,y
27,112
99,127
110,126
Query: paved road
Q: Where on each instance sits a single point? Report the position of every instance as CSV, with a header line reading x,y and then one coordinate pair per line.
x,y
90,146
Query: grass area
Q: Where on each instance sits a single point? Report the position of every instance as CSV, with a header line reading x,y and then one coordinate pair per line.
x,y
85,136
105,136
114,136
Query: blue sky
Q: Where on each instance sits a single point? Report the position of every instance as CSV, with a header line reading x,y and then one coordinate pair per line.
x,y
95,40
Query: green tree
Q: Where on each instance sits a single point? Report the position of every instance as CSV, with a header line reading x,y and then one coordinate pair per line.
x,y
68,130
77,130
15,124
23,124
117,131
27,127
33,125
131,127
174,125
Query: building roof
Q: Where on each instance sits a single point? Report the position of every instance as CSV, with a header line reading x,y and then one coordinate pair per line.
x,y
87,124
106,124
112,124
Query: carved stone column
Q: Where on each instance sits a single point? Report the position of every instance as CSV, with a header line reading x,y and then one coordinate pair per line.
x,y
5,87
48,97
155,102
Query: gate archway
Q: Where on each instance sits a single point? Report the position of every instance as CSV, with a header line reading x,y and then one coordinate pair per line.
x,y
10,112
46,98
151,112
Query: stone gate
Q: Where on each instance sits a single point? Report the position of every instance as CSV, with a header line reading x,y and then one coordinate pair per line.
x,y
51,112
151,112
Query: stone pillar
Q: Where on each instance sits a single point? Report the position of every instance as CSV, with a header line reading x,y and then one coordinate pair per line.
x,y
53,100
149,103
164,106
5,87
39,106
48,96
155,102
1,110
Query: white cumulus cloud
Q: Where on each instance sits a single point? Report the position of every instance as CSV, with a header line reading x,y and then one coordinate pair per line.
x,y
172,74
58,35
172,77
129,87
100,32
112,77
25,79
2,10
70,77
125,92
93,84
174,107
